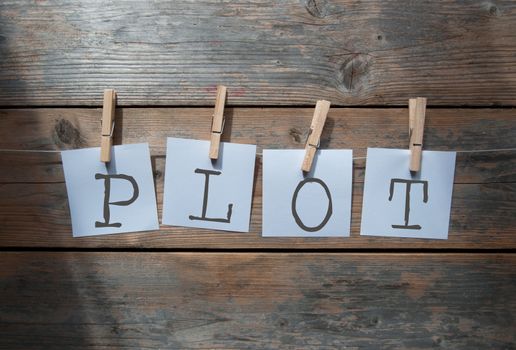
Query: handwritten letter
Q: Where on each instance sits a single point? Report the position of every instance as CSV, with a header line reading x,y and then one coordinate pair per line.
x,y
112,197
317,204
400,204
210,194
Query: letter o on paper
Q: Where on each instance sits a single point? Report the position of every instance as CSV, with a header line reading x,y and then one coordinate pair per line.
x,y
329,211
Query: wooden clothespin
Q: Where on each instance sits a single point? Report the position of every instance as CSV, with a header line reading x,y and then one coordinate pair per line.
x,y
417,109
314,137
217,125
108,125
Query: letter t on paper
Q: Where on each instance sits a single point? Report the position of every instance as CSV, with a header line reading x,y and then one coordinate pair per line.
x,y
400,204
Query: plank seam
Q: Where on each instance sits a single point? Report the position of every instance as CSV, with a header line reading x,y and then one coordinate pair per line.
x,y
307,106
266,250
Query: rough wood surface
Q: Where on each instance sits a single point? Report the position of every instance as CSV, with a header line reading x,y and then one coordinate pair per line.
x,y
355,128
372,53
267,52
34,209
257,301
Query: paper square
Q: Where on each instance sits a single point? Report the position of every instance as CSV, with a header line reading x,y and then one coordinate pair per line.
x,y
86,192
230,185
385,194
332,172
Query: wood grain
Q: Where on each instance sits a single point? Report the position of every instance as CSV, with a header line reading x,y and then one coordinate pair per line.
x,y
257,301
37,215
34,208
267,52
372,53
355,128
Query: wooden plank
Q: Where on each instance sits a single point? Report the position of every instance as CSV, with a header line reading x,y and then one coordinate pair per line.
x,y
37,215
257,301
34,209
356,128
267,52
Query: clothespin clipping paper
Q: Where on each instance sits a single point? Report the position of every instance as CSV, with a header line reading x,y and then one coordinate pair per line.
x,y
417,109
108,125
217,126
314,137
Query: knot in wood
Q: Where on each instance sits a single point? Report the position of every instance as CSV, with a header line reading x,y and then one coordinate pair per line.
x,y
65,133
353,70
316,8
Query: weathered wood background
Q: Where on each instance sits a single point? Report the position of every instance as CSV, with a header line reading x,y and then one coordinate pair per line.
x,y
269,52
182,288
36,208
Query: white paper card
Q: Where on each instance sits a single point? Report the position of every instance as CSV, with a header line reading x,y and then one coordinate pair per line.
x,y
210,194
110,198
317,204
398,204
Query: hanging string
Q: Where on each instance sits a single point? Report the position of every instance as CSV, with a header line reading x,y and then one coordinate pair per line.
x,y
258,154
28,151
464,151
487,150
